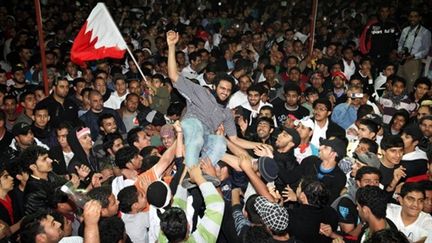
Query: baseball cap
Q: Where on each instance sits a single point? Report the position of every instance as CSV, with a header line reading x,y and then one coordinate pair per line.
x,y
21,128
273,215
17,67
368,158
294,134
336,144
339,74
268,168
305,121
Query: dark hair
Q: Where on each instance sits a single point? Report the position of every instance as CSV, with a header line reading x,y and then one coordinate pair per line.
x,y
24,95
389,235
251,211
394,79
266,119
193,56
367,170
149,162
101,194
427,185
57,81
125,155
130,95
64,125
403,113
30,155
31,226
40,107
103,117
411,187
127,197
371,125
255,88
78,80
175,108
147,151
364,110
109,139
257,233
315,191
291,86
391,141
373,146
85,90
224,77
173,224
310,90
423,80
374,198
132,135
269,67
111,229
364,59
267,107
10,97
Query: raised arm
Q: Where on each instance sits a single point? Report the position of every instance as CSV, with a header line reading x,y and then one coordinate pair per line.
x,y
172,39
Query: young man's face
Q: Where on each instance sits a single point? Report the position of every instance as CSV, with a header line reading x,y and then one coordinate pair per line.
x,y
398,123
283,140
25,139
52,229
427,208
398,88
426,128
112,207
422,112
86,142
338,82
29,102
62,137
312,97
143,140
264,130
421,90
6,182
393,155
362,148
223,90
132,104
117,145
320,112
412,204
389,70
167,140
44,164
304,132
10,106
136,162
109,125
364,132
41,118
409,142
292,98
368,180
62,88
120,86
265,113
253,98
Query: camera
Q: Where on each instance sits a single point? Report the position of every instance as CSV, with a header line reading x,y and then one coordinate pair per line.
x,y
356,95
404,54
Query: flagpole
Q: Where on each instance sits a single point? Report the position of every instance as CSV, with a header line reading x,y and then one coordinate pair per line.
x,y
127,47
41,46
136,63
312,26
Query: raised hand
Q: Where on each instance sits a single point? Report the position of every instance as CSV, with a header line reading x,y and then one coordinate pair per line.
x,y
172,38
83,171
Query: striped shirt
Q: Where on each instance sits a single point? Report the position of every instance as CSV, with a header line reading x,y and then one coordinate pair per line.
x,y
207,230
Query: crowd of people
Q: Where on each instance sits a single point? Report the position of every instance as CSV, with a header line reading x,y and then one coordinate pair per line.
x,y
242,128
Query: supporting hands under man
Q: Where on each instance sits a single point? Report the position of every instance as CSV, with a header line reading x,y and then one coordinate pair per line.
x,y
207,167
196,175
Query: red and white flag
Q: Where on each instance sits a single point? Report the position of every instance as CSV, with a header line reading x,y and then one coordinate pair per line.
x,y
98,38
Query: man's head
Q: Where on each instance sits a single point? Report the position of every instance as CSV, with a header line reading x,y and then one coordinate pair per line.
x,y
131,102
135,87
287,139
368,176
322,109
317,80
421,87
398,85
23,135
128,158
6,180
371,203
312,192
411,137
265,127
414,17
62,131
40,227
367,129
411,198
167,134
174,224
100,85
112,143
96,101
292,94
274,216
392,148
28,100
338,79
311,94
107,123
120,84
244,82
224,86
427,186
138,138
130,200
36,161
61,88
426,126
41,116
254,93
305,128
78,85
84,138
10,104
332,149
266,111
107,200
18,74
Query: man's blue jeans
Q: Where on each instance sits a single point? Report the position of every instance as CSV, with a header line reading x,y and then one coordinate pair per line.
x,y
198,141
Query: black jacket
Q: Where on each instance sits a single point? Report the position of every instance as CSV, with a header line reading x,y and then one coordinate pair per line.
x,y
59,113
38,192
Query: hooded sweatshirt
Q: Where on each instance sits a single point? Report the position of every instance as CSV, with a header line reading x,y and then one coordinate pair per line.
x,y
80,157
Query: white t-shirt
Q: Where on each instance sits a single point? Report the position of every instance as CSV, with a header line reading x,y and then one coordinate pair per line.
x,y
136,226
415,231
318,133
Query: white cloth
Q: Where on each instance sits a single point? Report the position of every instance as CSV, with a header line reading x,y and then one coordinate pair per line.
x,y
318,133
114,101
119,183
349,69
72,239
136,226
189,73
415,231
237,99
